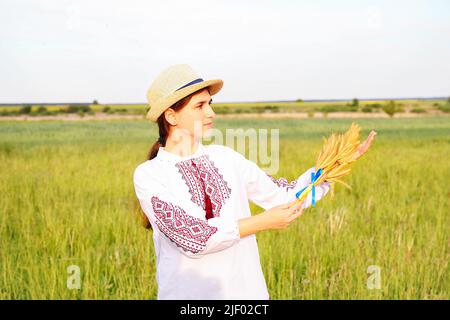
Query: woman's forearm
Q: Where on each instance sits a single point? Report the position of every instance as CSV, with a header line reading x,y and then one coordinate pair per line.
x,y
253,224
278,217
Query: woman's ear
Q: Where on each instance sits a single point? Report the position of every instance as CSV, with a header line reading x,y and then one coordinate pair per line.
x,y
170,116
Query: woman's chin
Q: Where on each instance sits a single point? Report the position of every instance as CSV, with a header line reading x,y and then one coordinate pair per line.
x,y
207,132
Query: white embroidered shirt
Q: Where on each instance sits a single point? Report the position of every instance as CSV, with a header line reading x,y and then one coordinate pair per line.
x,y
193,204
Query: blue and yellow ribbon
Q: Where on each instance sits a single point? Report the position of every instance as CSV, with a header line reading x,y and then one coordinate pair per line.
x,y
311,186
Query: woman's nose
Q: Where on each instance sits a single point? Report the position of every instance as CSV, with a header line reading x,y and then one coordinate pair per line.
x,y
210,112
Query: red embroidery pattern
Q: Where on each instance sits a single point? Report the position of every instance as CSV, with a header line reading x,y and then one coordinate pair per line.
x,y
283,182
187,232
202,176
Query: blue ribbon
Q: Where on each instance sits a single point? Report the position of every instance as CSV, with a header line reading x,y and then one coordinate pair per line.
x,y
190,83
314,177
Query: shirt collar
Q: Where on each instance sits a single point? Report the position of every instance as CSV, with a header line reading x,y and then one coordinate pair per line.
x,y
167,156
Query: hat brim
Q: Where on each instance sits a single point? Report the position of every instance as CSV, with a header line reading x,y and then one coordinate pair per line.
x,y
214,86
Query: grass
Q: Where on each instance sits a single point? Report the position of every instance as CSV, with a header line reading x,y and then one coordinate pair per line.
x,y
68,199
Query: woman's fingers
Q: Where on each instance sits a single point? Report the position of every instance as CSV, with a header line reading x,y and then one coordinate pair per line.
x,y
296,207
287,205
297,214
366,144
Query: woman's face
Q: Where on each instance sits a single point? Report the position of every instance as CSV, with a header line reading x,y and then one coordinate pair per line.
x,y
196,118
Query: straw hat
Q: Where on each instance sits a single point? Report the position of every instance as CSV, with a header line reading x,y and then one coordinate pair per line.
x,y
172,85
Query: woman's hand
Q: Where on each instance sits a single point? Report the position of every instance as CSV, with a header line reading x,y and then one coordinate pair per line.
x,y
363,147
280,217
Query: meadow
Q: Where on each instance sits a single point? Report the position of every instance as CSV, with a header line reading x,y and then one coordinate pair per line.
x,y
67,199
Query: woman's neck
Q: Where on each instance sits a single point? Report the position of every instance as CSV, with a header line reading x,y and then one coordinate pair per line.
x,y
182,146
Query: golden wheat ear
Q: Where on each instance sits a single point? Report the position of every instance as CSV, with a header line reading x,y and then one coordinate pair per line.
x,y
338,152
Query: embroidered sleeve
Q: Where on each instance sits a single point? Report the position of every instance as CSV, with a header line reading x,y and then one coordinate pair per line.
x,y
191,236
188,233
268,192
283,182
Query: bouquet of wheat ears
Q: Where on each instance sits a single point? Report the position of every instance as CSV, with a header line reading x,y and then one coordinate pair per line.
x,y
335,159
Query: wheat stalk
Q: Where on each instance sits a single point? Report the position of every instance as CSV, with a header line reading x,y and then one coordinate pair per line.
x,y
338,153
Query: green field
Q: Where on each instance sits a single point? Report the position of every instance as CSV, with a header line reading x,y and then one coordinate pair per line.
x,y
68,199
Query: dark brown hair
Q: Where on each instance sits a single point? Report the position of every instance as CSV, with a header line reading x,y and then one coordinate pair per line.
x,y
164,127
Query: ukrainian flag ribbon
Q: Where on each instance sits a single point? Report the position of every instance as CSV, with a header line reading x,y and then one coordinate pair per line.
x,y
311,186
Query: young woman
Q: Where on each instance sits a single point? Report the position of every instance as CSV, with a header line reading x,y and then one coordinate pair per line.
x,y
196,198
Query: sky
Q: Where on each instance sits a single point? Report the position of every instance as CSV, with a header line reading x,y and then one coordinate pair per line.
x,y
78,51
